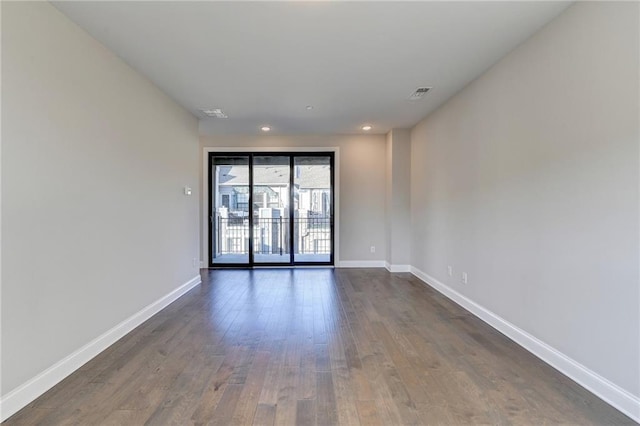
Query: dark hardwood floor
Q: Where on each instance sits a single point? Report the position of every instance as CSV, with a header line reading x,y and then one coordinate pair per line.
x,y
315,346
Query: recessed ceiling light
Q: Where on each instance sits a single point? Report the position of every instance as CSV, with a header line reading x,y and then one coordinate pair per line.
x,y
309,107
366,127
265,128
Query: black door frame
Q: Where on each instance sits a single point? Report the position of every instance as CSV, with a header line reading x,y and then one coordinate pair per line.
x,y
251,154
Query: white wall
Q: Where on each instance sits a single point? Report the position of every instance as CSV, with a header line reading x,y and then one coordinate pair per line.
x,y
398,187
95,223
362,183
388,188
528,180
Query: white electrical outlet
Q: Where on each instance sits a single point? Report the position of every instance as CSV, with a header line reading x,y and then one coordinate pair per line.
x,y
195,262
465,278
373,249
450,270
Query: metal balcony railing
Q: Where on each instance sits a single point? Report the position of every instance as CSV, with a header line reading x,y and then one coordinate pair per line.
x,y
272,235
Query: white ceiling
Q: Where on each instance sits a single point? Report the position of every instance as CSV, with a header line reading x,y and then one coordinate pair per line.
x,y
355,62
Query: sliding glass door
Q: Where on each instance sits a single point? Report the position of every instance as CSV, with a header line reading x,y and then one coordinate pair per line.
x,y
313,209
271,209
229,210
271,195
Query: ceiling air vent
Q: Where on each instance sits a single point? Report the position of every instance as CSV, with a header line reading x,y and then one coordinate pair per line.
x,y
215,112
419,93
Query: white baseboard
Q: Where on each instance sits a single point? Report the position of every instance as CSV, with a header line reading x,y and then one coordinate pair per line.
x,y
621,399
360,264
397,268
24,394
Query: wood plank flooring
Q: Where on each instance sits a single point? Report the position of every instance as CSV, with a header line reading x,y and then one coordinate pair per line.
x,y
315,347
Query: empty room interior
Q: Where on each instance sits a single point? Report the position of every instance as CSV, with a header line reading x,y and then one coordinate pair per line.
x,y
320,213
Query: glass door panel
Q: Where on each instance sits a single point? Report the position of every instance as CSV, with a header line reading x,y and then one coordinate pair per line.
x,y
229,210
313,209
271,196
